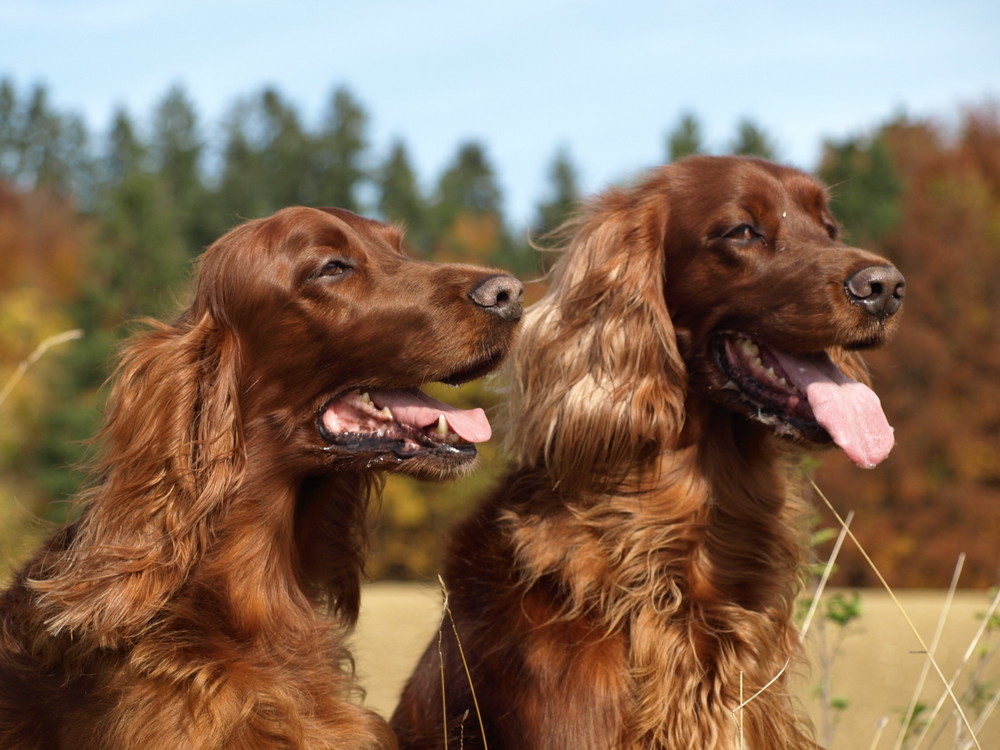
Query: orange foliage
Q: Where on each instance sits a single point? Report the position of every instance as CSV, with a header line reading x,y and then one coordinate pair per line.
x,y
42,242
938,494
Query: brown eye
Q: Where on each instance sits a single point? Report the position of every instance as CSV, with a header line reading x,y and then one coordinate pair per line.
x,y
334,268
742,233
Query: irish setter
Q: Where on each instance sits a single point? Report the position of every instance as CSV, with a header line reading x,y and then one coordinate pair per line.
x,y
201,599
630,581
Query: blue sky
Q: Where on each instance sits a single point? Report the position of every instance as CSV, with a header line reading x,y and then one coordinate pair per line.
x,y
605,80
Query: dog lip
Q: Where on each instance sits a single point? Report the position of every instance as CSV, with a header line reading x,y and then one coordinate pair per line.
x,y
778,406
476,369
403,441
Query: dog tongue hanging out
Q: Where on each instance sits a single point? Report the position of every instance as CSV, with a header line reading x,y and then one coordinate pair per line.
x,y
848,410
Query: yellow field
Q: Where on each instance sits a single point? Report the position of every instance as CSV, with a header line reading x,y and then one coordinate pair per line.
x,y
876,671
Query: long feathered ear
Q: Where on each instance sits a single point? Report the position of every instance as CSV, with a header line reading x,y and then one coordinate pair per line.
x,y
171,447
598,383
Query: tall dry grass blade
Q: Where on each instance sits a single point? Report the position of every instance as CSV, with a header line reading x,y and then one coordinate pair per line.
x,y
59,338
987,711
827,571
742,738
465,665
902,610
879,728
802,631
980,631
922,680
444,689
748,701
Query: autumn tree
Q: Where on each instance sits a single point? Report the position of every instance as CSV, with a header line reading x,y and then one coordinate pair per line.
x,y
937,494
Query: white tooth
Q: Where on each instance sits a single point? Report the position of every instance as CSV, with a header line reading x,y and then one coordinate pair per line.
x,y
385,412
365,398
770,372
783,381
757,363
442,426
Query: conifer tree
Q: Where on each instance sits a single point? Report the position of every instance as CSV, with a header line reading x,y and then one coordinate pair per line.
x,y
685,139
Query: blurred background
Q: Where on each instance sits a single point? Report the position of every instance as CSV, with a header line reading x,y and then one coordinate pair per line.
x,y
132,134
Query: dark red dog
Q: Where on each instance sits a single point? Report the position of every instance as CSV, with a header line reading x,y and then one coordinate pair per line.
x,y
190,605
629,583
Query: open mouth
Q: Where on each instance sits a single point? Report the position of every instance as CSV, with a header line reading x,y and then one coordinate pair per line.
x,y
406,426
805,396
403,423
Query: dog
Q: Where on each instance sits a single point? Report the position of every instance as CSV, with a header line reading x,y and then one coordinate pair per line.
x,y
202,597
629,582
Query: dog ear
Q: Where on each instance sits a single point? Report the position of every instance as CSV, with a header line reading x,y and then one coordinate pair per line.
x,y
171,449
598,383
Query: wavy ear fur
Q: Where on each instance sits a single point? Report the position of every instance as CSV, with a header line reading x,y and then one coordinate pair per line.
x,y
598,384
171,448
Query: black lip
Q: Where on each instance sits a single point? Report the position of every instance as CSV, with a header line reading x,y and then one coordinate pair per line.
x,y
408,442
759,403
476,370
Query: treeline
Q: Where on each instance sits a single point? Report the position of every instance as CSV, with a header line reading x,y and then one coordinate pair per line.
x,y
98,230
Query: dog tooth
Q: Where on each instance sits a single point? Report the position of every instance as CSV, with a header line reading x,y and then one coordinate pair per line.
x,y
386,412
442,426
365,398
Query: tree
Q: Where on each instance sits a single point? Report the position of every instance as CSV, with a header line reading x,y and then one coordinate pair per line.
x,y
267,159
685,139
564,194
337,164
864,186
399,198
751,140
176,153
467,218
41,148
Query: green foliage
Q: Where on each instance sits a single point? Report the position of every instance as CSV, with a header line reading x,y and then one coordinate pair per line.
x,y
105,228
865,187
751,140
400,199
685,139
564,194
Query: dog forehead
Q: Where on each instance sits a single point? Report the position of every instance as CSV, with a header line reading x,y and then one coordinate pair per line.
x,y
369,229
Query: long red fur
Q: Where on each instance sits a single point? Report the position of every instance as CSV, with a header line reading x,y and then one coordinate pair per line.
x,y
202,597
631,579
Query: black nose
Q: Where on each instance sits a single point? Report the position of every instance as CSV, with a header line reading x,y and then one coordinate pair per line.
x,y
500,294
878,289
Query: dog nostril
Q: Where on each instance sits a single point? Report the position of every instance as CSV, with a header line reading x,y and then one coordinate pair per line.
x,y
878,289
499,294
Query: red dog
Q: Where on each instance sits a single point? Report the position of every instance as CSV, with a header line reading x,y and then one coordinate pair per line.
x,y
187,607
630,581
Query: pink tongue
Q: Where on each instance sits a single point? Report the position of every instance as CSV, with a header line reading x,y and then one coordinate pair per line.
x,y
850,411
420,410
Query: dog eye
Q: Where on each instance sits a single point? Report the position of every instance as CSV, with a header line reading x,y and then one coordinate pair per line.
x,y
742,233
334,268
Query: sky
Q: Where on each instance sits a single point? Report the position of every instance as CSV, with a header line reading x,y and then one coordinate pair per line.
x,y
604,81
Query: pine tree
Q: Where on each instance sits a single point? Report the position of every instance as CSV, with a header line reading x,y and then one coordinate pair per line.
x,y
685,139
564,194
337,162
864,186
176,153
751,140
399,198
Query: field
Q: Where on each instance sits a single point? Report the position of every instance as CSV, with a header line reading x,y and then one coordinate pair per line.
x,y
875,672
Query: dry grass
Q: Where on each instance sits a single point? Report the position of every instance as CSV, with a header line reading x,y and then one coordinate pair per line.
x,y
876,671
